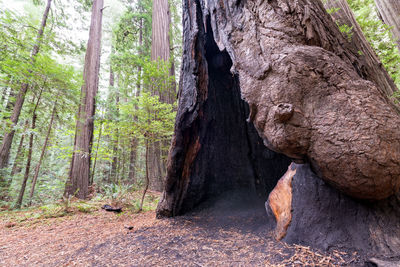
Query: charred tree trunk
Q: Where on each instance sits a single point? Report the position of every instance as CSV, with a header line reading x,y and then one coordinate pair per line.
x,y
373,69
79,175
46,141
318,215
306,95
389,11
8,137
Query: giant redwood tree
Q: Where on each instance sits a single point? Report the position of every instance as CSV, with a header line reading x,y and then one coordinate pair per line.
x,y
79,174
266,83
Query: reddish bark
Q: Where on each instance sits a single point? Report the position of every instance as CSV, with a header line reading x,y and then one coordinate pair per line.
x,y
79,174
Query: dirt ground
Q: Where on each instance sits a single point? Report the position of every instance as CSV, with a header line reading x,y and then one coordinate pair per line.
x,y
206,238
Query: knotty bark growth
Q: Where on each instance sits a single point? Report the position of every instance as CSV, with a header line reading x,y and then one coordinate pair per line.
x,y
79,174
338,117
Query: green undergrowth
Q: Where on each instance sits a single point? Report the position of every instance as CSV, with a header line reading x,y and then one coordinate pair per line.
x,y
127,199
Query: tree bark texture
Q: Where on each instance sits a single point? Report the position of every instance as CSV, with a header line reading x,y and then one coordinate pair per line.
x,y
373,70
305,95
8,137
389,10
79,174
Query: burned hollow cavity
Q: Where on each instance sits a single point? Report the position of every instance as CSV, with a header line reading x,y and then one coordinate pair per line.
x,y
215,150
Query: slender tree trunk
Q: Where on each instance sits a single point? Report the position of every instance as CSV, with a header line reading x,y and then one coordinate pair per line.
x,y
37,168
8,108
8,138
147,182
132,160
4,95
389,11
95,156
29,159
373,69
134,141
16,169
115,161
79,175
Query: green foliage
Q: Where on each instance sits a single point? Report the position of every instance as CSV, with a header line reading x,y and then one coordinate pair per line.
x,y
379,36
346,30
332,10
137,108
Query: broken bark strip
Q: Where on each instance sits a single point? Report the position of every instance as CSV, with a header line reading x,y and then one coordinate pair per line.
x,y
324,218
280,202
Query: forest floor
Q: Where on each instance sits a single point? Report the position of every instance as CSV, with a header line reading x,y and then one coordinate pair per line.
x,y
229,236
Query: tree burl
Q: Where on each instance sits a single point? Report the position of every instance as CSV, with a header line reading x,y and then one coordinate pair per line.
x,y
306,98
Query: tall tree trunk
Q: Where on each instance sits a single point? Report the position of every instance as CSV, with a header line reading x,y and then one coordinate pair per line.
x,y
79,175
29,158
308,99
389,10
160,50
46,141
8,138
374,70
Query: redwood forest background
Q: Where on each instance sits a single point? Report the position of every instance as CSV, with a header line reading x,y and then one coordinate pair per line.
x,y
71,128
